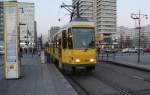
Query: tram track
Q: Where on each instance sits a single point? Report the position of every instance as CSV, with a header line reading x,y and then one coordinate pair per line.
x,y
78,87
82,84
75,81
121,90
105,78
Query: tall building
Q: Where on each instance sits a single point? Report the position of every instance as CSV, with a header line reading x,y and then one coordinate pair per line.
x,y
106,22
86,8
26,21
125,37
1,24
129,37
27,18
144,37
53,30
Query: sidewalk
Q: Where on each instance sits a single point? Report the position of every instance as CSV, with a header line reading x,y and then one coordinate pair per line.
x,y
130,61
38,79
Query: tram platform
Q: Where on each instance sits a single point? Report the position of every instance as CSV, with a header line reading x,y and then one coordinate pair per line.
x,y
129,60
37,79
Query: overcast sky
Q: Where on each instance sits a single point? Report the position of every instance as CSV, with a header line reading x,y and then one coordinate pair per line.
x,y
47,12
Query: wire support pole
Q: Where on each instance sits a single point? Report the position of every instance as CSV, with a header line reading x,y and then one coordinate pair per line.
x,y
139,17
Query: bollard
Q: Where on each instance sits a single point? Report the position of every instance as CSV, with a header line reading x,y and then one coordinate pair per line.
x,y
42,57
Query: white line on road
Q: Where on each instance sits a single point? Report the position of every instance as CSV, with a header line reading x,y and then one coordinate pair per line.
x,y
138,77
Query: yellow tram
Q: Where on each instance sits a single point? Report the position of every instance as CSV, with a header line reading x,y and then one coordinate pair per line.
x,y
73,46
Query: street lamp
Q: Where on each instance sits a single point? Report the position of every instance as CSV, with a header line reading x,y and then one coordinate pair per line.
x,y
138,17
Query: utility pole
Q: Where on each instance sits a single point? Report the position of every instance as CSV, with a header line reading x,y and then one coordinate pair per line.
x,y
138,17
70,8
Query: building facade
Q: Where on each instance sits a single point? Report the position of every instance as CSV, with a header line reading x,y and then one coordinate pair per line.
x,y
129,37
27,22
87,8
144,37
106,20
53,30
1,24
125,37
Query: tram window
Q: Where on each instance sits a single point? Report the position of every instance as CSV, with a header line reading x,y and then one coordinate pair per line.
x,y
53,44
83,38
70,44
64,42
55,41
59,42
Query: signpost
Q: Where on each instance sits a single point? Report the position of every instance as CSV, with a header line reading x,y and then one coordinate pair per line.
x,y
12,64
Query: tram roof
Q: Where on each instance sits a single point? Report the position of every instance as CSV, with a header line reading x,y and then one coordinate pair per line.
x,y
79,22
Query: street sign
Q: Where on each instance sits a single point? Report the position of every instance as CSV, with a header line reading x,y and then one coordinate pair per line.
x,y
11,40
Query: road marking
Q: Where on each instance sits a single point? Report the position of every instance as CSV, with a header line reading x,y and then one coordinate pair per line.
x,y
138,77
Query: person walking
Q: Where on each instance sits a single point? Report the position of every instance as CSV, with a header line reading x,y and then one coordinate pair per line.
x,y
21,51
26,51
33,51
98,51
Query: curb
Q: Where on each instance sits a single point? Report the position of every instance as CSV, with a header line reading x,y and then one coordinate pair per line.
x,y
62,80
139,67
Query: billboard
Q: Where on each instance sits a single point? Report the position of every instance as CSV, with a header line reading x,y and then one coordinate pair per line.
x,y
11,40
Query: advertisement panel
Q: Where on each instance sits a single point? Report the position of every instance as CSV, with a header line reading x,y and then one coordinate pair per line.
x,y
11,40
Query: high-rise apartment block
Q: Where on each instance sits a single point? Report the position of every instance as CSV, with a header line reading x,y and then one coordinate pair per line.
x,y
1,23
86,8
27,18
144,37
103,13
125,37
106,20
106,16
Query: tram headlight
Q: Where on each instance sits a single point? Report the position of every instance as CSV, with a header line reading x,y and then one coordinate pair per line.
x,y
77,60
91,60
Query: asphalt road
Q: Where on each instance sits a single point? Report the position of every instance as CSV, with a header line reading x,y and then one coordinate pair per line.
x,y
110,79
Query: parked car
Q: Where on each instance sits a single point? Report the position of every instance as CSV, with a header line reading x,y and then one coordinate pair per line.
x,y
1,50
146,49
129,50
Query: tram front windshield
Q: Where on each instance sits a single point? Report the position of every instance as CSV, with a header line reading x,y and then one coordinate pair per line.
x,y
83,38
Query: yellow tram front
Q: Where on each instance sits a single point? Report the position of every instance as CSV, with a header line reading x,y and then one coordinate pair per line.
x,y
78,48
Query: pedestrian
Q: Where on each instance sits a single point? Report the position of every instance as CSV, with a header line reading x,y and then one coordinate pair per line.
x,y
98,51
39,52
21,51
26,51
33,51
